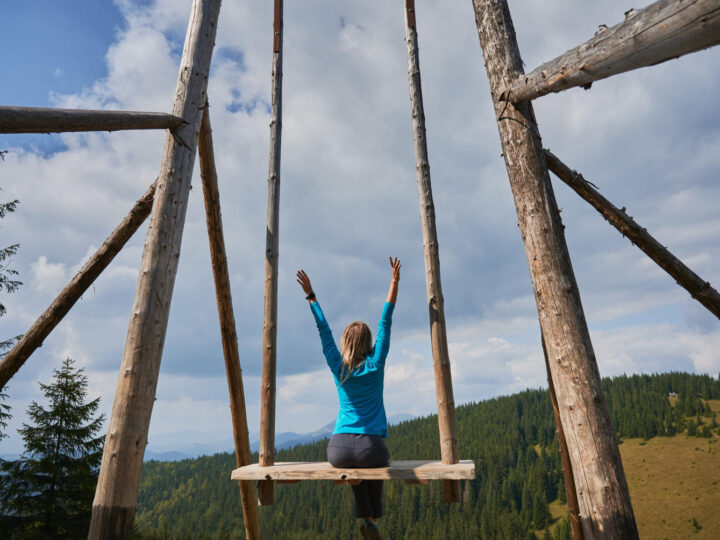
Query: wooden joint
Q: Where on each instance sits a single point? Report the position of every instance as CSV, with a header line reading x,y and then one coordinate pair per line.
x,y
410,10
277,26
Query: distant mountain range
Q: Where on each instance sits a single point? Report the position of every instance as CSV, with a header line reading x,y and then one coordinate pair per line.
x,y
283,440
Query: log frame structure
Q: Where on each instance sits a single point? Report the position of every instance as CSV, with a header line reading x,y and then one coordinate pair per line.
x,y
44,120
269,349
436,304
659,32
603,496
117,489
698,288
86,276
597,490
221,277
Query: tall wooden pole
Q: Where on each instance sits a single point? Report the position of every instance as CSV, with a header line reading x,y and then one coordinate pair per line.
x,y
86,276
227,321
603,495
118,483
269,362
698,288
438,334
571,494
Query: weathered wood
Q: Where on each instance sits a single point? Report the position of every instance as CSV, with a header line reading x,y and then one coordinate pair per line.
x,y
602,490
269,361
571,494
43,120
698,288
117,488
51,317
662,31
228,331
397,470
438,334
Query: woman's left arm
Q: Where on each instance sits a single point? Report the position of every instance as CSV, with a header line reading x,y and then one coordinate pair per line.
x,y
330,350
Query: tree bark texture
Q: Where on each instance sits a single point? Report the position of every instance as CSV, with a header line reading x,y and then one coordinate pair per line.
x,y
570,492
603,495
269,361
438,334
228,332
117,488
662,31
51,317
42,120
698,288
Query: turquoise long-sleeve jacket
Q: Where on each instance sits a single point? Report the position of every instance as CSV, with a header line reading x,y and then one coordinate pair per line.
x,y
361,394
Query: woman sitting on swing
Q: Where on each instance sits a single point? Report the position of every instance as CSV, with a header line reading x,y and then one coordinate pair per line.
x,y
358,369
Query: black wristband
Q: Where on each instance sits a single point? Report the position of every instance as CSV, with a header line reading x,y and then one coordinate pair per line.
x,y
310,296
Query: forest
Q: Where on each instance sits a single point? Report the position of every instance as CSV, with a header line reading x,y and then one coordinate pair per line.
x,y
512,440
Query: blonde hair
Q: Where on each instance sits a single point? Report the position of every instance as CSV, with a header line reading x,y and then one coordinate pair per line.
x,y
355,345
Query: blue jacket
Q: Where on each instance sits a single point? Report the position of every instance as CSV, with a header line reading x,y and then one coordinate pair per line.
x,y
361,395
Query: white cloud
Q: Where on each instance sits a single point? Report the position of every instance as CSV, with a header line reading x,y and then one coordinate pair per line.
x,y
47,276
349,199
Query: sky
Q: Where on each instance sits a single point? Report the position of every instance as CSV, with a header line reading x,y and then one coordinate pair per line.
x,y
649,139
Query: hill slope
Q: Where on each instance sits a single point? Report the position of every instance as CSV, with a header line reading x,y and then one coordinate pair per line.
x,y
512,440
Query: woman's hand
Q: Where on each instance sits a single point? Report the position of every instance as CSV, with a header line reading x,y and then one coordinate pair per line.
x,y
392,293
304,282
395,264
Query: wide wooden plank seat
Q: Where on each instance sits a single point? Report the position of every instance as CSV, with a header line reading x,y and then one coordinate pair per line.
x,y
398,470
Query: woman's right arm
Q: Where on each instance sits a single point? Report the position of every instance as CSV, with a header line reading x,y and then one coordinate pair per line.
x,y
382,343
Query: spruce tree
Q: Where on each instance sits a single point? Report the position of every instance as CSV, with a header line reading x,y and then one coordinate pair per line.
x,y
8,282
49,490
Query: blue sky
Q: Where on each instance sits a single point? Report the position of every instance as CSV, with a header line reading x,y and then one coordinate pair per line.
x,y
649,139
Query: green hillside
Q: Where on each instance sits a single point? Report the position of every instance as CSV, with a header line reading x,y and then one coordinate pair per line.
x,y
518,492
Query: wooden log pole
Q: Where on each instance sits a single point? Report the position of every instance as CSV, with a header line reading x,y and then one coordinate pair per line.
x,y
226,315
662,31
44,120
570,493
698,288
118,483
603,496
86,276
436,308
269,359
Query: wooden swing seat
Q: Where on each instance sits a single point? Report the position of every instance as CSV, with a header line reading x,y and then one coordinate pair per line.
x,y
410,471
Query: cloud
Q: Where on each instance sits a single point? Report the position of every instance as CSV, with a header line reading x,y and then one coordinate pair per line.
x,y
349,199
48,277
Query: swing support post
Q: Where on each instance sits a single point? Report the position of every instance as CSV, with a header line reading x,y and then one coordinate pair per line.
x,y
269,360
438,333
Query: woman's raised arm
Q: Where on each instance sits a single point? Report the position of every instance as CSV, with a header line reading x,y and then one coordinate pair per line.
x,y
392,293
304,281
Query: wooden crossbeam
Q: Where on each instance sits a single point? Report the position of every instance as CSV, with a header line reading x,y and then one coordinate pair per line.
x,y
698,288
80,283
398,470
43,120
662,31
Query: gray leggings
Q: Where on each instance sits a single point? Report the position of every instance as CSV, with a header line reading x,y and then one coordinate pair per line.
x,y
356,450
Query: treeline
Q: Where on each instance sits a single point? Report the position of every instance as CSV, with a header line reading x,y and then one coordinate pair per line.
x,y
511,439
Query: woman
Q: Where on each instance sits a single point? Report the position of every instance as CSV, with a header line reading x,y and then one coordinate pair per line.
x,y
358,369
